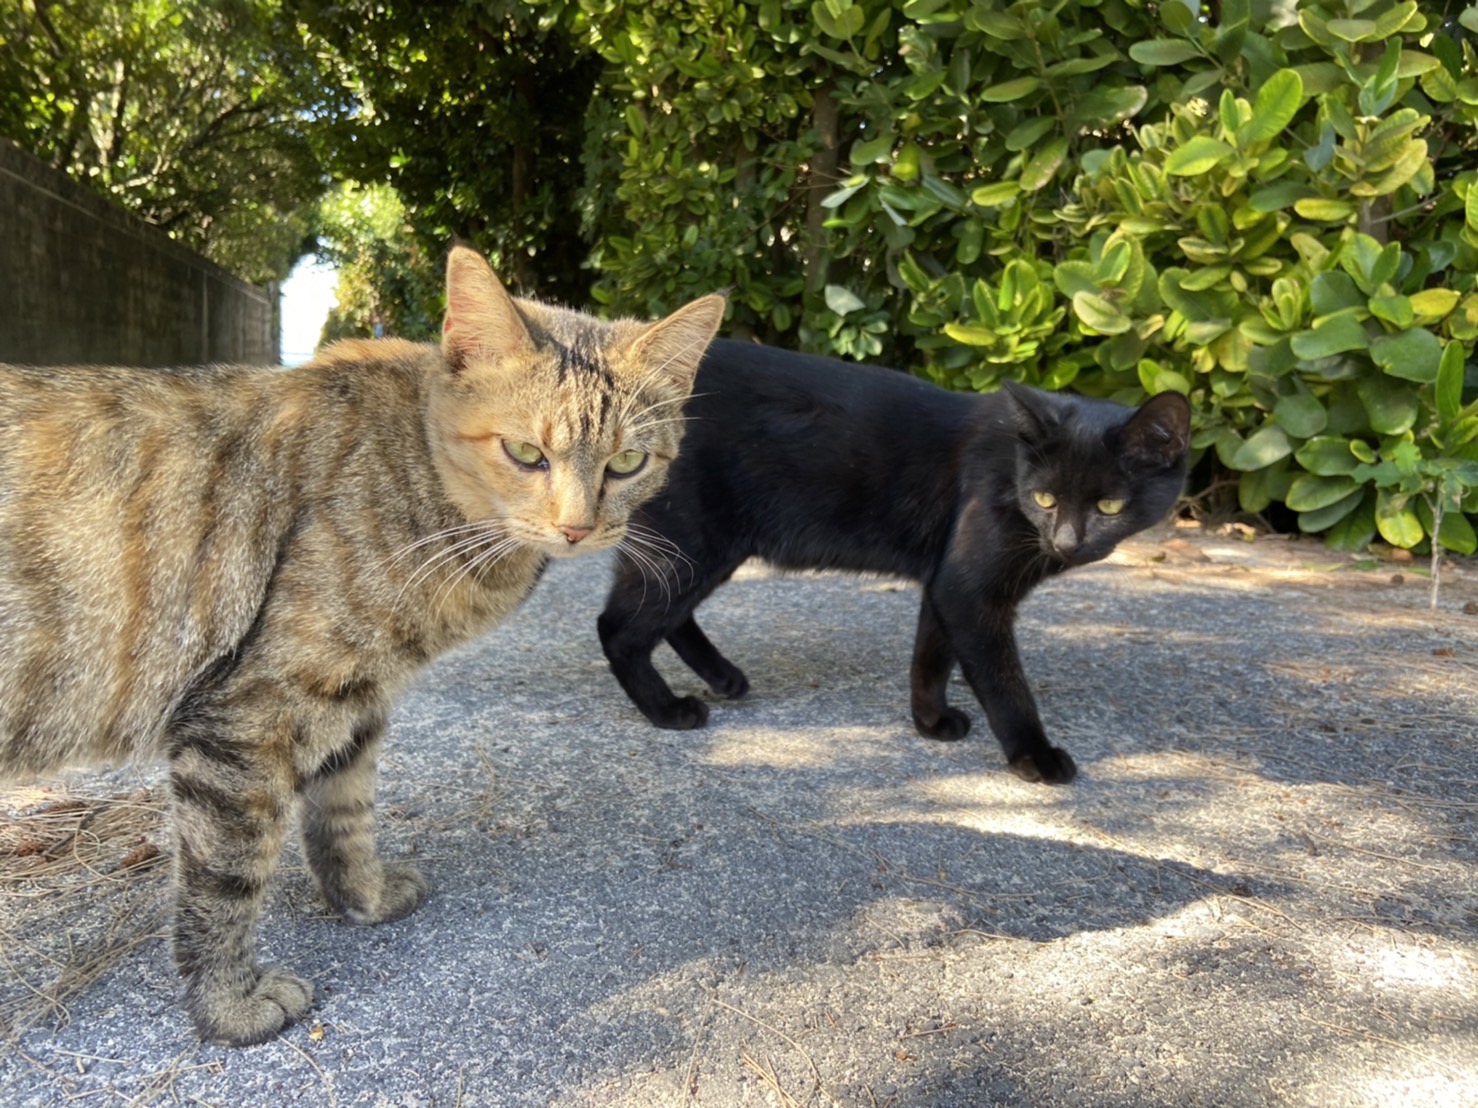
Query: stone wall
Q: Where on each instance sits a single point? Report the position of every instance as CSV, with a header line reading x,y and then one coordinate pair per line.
x,y
81,280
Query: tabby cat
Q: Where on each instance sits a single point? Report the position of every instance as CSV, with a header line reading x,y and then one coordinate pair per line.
x,y
812,463
240,568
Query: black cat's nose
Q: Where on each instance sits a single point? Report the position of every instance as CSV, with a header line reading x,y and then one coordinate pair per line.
x,y
1065,540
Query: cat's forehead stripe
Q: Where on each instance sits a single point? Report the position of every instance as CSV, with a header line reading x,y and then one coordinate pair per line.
x,y
578,357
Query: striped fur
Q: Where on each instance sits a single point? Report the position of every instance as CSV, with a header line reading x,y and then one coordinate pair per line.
x,y
239,568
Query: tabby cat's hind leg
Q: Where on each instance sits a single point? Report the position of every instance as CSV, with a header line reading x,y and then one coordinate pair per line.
x,y
339,836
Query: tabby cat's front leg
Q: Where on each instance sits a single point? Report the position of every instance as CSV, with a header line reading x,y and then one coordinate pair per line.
x,y
231,814
339,836
979,628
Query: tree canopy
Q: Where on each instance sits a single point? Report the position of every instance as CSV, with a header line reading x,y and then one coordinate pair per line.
x,y
208,120
1268,206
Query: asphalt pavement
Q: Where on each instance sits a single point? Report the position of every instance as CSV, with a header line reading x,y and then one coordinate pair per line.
x,y
1260,889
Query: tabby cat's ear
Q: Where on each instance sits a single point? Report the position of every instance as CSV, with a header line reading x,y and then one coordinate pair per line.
x,y
482,323
1032,411
1159,433
673,347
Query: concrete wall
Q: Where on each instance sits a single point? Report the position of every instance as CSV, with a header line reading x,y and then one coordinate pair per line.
x,y
81,280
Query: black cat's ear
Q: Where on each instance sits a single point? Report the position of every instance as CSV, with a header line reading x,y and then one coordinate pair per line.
x,y
1159,432
1032,411
482,324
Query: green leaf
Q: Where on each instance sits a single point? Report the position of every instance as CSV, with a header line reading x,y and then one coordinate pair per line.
x,y
1334,292
1155,379
1391,404
1163,51
1042,166
1450,372
1026,134
871,150
843,194
1434,304
1264,447
1321,519
972,334
1327,455
1007,91
1275,198
1324,210
1333,334
842,301
1300,414
1395,310
996,195
1200,155
1352,30
1259,488
1277,103
1318,156
1456,533
1099,314
1310,492
1412,355
1397,522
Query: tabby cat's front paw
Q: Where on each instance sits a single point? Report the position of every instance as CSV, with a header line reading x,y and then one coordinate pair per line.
x,y
950,725
684,713
402,890
1050,765
226,1016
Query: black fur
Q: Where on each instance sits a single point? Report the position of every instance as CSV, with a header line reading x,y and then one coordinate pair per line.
x,y
813,463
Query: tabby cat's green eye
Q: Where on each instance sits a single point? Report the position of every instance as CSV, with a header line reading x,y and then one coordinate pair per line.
x,y
626,463
1110,507
1044,499
524,453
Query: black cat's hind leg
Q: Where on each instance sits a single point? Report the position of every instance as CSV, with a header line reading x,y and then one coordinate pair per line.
x,y
636,618
694,647
933,661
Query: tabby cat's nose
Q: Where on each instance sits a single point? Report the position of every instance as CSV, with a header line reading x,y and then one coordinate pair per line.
x,y
574,534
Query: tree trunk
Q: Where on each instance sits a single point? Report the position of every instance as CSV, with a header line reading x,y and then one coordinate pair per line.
x,y
821,180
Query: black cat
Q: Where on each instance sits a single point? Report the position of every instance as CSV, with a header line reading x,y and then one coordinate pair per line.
x,y
813,463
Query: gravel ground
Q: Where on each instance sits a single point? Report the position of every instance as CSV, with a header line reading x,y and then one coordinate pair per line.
x,y
1260,889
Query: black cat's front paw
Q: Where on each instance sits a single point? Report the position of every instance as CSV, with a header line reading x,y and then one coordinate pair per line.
x,y
949,726
684,713
731,684
1050,765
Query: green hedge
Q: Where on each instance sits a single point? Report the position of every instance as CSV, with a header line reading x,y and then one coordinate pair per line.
x,y
1267,207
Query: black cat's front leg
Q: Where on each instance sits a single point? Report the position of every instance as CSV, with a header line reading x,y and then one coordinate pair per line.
x,y
980,630
933,661
339,835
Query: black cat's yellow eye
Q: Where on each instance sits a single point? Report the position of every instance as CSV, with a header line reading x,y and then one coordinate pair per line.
x,y
524,453
1044,499
626,463
1110,507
